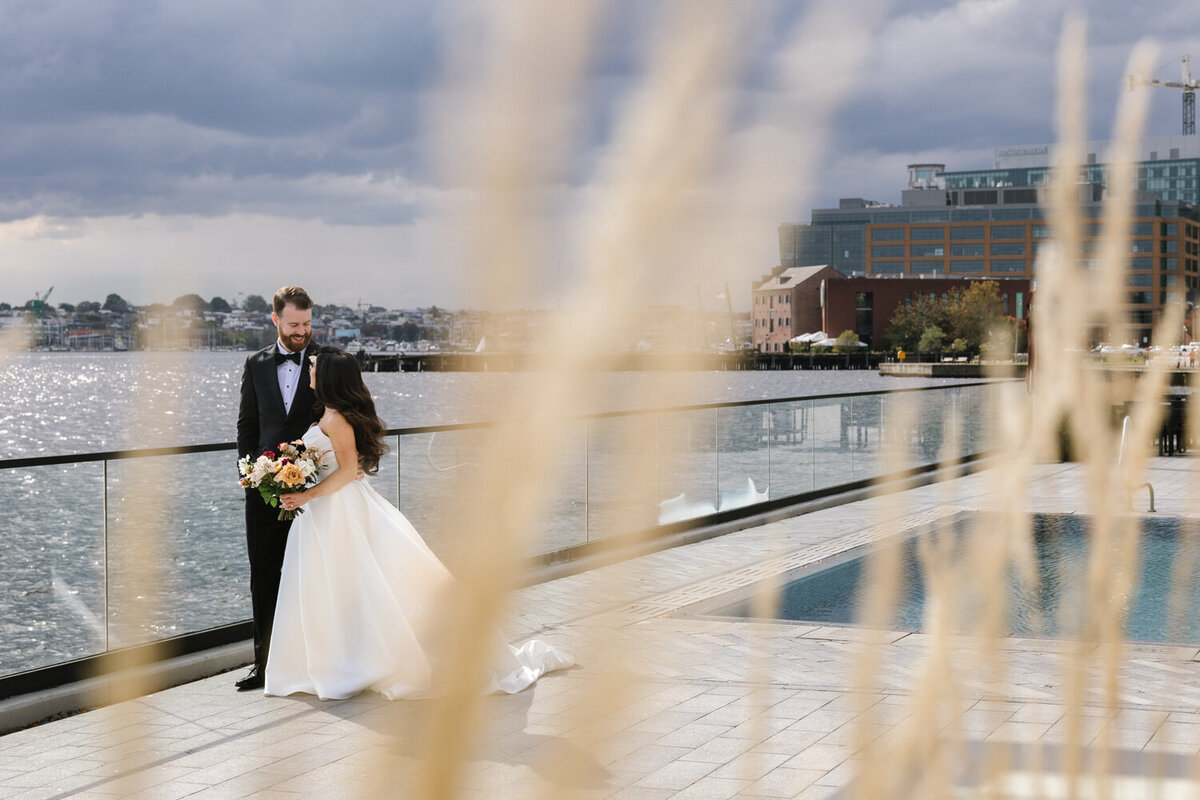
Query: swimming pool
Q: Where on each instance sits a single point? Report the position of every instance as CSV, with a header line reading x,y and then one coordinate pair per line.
x,y
1054,606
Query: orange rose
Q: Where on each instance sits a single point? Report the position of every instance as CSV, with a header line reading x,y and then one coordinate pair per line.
x,y
290,475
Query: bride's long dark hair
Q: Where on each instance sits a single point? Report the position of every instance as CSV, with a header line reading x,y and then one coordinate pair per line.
x,y
340,387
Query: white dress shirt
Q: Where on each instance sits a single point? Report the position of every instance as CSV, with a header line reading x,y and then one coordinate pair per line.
x,y
289,374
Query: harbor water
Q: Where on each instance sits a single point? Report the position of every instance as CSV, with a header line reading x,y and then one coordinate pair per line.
x,y
75,586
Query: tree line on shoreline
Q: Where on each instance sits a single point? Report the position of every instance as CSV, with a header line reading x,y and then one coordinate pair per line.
x,y
190,320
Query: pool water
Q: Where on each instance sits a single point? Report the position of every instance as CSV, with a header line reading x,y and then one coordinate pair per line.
x,y
1053,606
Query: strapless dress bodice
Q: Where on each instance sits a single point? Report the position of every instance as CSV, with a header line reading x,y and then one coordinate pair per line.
x,y
315,439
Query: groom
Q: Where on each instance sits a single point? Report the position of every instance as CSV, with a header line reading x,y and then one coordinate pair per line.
x,y
276,406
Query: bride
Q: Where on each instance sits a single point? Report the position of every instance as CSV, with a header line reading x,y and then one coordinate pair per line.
x,y
360,591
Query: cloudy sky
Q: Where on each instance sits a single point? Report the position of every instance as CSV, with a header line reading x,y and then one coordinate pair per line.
x,y
226,147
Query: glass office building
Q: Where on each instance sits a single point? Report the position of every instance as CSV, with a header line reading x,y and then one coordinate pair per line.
x,y
990,224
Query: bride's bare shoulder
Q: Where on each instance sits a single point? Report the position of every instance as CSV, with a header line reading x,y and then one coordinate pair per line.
x,y
332,421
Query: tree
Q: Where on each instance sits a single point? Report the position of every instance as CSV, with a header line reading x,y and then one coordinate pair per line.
x,y
221,305
931,340
255,304
971,313
912,319
116,304
87,307
191,302
847,342
67,307
5,307
408,332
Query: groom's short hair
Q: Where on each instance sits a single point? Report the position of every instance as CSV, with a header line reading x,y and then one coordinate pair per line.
x,y
293,295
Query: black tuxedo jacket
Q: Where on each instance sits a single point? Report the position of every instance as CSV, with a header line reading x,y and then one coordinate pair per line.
x,y
262,422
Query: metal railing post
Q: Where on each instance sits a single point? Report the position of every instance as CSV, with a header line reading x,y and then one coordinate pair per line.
x,y
104,511
587,481
717,452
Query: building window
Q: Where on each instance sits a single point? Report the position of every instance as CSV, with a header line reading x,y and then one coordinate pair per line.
x,y
973,249
1042,232
1170,246
1143,228
1142,280
1141,263
966,232
887,267
926,267
1165,281
927,234
1008,248
1141,298
1169,264
1007,265
1142,246
887,251
966,266
980,197
887,234
926,250
1008,231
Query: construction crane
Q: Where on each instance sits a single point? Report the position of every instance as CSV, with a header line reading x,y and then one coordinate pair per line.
x,y
38,304
1189,86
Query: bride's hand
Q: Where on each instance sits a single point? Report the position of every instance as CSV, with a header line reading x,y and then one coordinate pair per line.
x,y
292,501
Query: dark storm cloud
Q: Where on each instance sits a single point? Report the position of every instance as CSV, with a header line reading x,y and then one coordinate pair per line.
x,y
314,109
116,108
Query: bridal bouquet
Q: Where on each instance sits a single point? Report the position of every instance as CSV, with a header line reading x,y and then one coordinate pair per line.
x,y
293,469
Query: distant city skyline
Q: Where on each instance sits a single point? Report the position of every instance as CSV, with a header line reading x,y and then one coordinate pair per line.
x,y
156,149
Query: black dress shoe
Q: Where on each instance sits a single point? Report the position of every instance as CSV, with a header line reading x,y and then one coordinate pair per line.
x,y
252,681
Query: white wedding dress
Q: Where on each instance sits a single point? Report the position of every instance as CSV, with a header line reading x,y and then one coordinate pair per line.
x,y
359,602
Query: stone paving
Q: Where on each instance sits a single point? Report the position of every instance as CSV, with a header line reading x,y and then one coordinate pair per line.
x,y
663,704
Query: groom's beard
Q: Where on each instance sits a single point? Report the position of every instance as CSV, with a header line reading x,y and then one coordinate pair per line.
x,y
297,342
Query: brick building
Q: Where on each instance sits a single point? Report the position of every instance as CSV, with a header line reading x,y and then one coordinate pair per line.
x,y
800,300
787,304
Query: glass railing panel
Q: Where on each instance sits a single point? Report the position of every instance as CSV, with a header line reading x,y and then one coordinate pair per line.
x,y
687,465
564,521
978,434
439,474
832,442
792,444
52,563
933,415
176,546
622,475
866,435
430,475
743,455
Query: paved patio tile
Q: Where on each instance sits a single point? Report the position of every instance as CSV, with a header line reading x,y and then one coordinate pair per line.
x,y
783,782
710,788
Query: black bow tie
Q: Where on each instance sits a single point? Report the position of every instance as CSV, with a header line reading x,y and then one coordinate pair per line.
x,y
282,357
